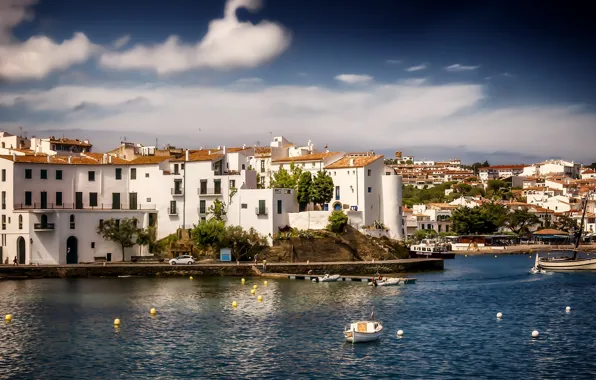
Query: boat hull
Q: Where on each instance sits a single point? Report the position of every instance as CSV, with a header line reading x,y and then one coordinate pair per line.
x,y
568,265
358,337
433,255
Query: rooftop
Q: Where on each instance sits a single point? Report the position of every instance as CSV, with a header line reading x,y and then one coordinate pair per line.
x,y
307,157
358,162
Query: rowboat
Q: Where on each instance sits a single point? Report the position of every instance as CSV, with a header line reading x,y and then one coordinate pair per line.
x,y
363,331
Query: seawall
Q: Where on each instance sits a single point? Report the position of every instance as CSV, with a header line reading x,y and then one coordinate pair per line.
x,y
245,270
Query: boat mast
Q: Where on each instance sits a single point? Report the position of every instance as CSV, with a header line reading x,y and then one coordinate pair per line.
x,y
578,235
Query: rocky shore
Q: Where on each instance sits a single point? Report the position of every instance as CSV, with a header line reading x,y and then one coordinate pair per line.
x,y
163,270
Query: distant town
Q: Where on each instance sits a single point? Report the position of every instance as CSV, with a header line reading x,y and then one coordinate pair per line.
x,y
58,193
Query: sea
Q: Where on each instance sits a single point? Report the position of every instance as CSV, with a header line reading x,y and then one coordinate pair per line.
x,y
63,328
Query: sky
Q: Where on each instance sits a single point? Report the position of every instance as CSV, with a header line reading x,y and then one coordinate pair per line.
x,y
506,81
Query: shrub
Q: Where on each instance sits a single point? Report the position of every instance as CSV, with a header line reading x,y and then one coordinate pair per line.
x,y
337,221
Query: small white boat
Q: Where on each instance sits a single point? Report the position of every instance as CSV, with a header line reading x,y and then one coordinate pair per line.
x,y
363,331
327,278
385,281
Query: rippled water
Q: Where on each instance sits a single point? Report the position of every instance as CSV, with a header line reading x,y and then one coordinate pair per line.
x,y
63,328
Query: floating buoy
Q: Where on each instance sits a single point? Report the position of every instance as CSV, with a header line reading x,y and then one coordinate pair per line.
x,y
243,281
116,322
400,333
8,317
530,256
499,315
153,311
260,298
191,278
535,334
254,286
252,292
466,255
234,304
265,283
495,256
568,309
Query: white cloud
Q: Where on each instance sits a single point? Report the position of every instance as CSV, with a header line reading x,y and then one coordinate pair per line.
x,y
422,66
446,116
228,44
354,78
38,56
414,81
393,61
121,42
457,67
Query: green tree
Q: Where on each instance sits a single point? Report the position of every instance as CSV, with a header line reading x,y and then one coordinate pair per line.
x,y
217,210
520,221
565,223
209,233
284,179
592,165
494,214
243,243
304,192
322,188
121,231
143,239
484,219
337,221
419,235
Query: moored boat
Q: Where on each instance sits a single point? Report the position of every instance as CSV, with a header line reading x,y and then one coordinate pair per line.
x,y
363,331
431,249
385,281
327,278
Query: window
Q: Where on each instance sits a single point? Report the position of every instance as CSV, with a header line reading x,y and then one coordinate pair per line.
x,y
232,184
279,204
217,186
58,198
92,244
101,223
262,166
337,193
203,188
72,222
91,176
28,173
369,172
58,174
4,200
243,166
118,173
263,181
148,200
203,219
20,222
146,175
93,199
3,175
370,189
262,209
28,198
173,208
133,173
115,201
244,205
202,207
43,174
3,222
176,169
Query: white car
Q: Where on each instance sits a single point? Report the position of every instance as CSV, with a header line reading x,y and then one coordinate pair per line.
x,y
184,259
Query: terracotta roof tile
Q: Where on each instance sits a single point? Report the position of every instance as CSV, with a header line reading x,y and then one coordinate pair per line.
x,y
146,160
67,141
262,150
60,160
200,155
307,157
359,162
503,167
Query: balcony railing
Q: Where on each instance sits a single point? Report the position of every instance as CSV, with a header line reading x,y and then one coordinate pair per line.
x,y
261,211
209,191
172,210
43,226
177,192
85,206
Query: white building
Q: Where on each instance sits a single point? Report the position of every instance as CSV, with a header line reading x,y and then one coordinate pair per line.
x,y
10,143
588,174
60,146
500,171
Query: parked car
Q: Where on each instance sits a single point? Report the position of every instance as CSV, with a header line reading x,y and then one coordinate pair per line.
x,y
184,259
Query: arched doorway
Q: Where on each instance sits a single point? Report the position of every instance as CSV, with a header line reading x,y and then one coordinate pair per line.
x,y
21,250
72,256
337,206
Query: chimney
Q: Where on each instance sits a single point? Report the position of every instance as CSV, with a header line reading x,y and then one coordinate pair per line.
x,y
14,157
224,149
351,162
109,159
186,155
70,159
209,152
49,158
243,146
219,147
105,158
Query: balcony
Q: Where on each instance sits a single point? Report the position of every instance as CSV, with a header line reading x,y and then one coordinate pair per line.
x,y
84,206
43,227
261,211
209,191
172,210
177,192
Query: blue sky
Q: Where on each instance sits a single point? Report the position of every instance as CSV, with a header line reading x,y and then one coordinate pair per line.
x,y
521,85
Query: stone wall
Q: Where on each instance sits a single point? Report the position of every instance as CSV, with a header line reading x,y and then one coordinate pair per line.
x,y
245,270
